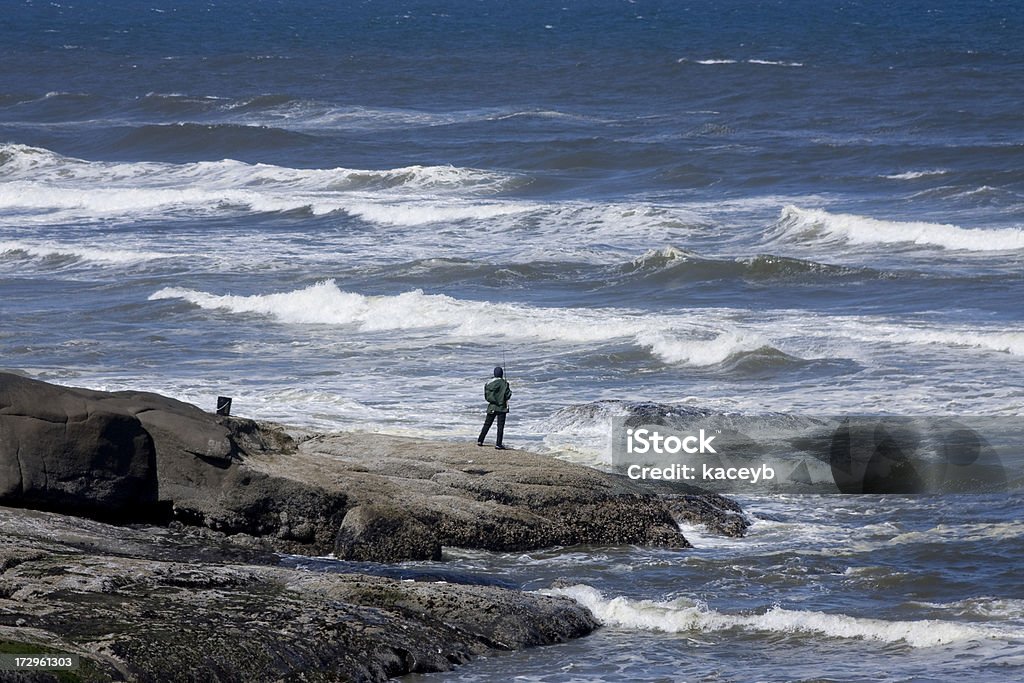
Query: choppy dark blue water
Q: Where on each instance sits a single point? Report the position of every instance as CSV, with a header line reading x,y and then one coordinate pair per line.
x,y
344,214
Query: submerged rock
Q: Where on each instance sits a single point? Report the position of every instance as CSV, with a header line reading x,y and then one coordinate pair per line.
x,y
717,514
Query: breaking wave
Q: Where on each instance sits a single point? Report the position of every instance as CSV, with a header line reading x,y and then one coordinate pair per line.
x,y
819,225
673,341
683,615
52,250
1001,341
41,180
758,62
671,263
701,352
914,175
22,162
42,186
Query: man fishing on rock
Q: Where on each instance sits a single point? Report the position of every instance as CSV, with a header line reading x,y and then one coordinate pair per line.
x,y
496,393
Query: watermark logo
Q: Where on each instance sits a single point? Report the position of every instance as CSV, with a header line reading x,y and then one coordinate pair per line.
x,y
823,454
645,440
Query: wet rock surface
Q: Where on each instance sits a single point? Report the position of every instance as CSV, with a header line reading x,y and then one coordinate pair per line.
x,y
149,603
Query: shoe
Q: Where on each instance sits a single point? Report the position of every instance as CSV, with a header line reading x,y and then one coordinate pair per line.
x,y
499,447
479,443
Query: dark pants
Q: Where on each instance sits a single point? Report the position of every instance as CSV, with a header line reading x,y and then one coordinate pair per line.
x,y
487,427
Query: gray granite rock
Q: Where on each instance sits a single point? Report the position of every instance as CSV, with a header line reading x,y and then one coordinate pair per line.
x,y
130,457
147,604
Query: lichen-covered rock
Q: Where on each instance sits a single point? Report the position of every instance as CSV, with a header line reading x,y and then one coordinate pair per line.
x,y
481,498
385,533
716,513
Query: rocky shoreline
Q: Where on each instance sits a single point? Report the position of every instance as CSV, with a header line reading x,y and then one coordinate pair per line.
x,y
148,604
143,534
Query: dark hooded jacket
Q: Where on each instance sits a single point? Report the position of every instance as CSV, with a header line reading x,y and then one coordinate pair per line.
x,y
497,393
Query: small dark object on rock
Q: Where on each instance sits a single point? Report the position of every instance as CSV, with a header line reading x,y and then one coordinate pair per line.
x,y
224,405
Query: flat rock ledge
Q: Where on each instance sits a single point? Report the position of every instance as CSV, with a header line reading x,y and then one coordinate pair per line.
x,y
129,457
153,604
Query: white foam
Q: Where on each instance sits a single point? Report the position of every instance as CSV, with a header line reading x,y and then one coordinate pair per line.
x,y
543,114
21,162
771,62
701,352
984,607
759,62
914,175
40,180
312,115
999,531
310,407
412,213
44,188
886,331
660,257
683,615
104,202
96,254
987,191
1003,342
818,225
675,341
180,95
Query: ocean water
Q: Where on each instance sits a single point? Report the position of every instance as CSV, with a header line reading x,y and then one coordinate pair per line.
x,y
344,214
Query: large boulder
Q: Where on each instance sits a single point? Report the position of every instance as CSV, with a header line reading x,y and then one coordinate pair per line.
x,y
61,450
385,533
134,456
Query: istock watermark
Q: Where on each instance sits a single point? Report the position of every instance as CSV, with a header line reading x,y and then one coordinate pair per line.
x,y
779,453
645,440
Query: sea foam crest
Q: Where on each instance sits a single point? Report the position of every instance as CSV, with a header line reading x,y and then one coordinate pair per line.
x,y
325,303
758,62
42,181
413,213
73,251
700,352
915,175
683,615
820,225
658,258
43,187
984,607
879,330
1010,342
36,163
